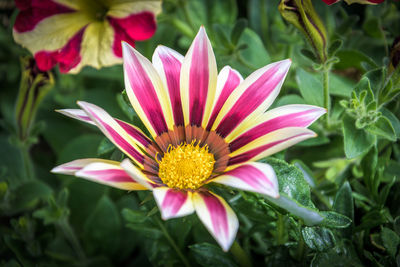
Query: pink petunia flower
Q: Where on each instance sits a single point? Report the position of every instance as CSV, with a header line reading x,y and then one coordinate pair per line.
x,y
76,33
372,2
205,128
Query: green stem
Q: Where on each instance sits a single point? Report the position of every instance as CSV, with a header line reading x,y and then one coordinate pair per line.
x,y
71,237
172,242
26,160
300,250
280,230
325,73
186,14
240,255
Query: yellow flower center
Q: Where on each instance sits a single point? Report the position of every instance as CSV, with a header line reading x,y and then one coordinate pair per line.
x,y
187,166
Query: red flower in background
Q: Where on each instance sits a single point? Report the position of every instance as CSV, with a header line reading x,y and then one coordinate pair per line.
x,y
76,33
372,2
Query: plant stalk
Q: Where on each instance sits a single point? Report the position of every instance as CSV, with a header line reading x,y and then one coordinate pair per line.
x,y
172,242
240,255
71,237
325,80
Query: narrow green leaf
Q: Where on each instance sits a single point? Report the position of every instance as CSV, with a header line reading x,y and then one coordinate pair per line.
x,y
335,220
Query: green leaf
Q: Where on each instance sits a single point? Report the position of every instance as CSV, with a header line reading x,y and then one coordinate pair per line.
x,y
383,128
134,216
354,58
318,238
238,29
356,141
294,192
209,255
393,120
335,220
102,228
340,86
309,54
344,204
390,240
105,147
146,230
334,47
28,194
310,88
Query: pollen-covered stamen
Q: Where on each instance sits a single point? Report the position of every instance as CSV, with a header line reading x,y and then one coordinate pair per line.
x,y
186,166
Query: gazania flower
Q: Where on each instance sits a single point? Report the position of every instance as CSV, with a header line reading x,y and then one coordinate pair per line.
x,y
205,128
73,34
372,2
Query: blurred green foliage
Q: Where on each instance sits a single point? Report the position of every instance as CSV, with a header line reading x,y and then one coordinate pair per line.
x,y
339,191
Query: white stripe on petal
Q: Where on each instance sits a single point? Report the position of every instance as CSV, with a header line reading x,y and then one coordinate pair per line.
x,y
110,127
253,176
72,167
173,203
216,215
109,174
146,92
137,174
198,81
78,114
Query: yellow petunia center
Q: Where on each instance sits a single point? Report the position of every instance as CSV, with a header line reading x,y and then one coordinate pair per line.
x,y
187,166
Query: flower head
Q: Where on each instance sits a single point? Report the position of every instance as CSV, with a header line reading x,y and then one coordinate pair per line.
x,y
205,128
73,34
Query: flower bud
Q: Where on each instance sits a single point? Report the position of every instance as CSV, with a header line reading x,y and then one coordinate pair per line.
x,y
35,84
302,15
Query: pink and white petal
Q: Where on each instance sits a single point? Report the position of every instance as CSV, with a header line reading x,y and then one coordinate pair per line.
x,y
278,118
32,12
133,131
96,46
123,8
58,33
168,64
78,114
113,131
269,144
250,99
137,174
173,203
228,80
198,81
109,174
72,167
216,215
146,92
139,26
253,176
